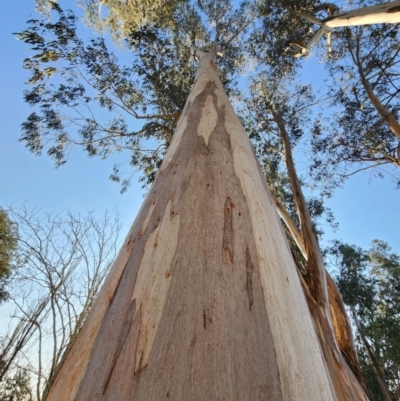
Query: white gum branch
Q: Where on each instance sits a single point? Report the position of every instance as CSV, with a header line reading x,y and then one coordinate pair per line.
x,y
388,13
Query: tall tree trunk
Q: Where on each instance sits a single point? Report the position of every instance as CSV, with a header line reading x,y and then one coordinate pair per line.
x,y
204,301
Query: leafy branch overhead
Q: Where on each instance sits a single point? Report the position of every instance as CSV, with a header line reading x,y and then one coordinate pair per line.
x,y
71,80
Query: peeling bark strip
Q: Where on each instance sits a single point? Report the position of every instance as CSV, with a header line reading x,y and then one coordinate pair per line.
x,y
181,325
228,232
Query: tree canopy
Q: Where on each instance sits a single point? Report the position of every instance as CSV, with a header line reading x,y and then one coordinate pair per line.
x,y
73,79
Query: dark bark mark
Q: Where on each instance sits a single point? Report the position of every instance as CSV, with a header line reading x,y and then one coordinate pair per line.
x,y
204,319
140,368
228,232
393,9
130,244
193,341
249,278
122,337
118,284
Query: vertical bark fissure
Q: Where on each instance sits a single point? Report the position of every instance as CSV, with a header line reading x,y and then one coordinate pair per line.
x,y
249,278
228,232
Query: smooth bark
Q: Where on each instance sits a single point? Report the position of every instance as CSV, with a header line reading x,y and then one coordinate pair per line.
x,y
379,14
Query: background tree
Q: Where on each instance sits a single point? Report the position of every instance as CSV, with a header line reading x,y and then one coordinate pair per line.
x,y
369,283
16,387
8,245
65,259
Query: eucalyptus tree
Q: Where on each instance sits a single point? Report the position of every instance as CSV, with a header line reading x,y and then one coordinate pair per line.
x,y
204,300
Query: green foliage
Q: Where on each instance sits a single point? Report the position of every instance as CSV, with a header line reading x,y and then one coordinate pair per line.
x,y
350,135
282,33
71,80
369,282
120,18
8,245
88,76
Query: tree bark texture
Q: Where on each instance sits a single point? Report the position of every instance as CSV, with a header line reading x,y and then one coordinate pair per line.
x,y
204,301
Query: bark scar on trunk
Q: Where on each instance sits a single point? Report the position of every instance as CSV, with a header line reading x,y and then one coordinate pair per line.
x,y
228,232
249,278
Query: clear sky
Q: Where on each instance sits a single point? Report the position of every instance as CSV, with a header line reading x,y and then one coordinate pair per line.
x,y
365,208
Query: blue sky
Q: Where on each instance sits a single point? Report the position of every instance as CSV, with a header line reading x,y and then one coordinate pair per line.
x,y
82,184
365,208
